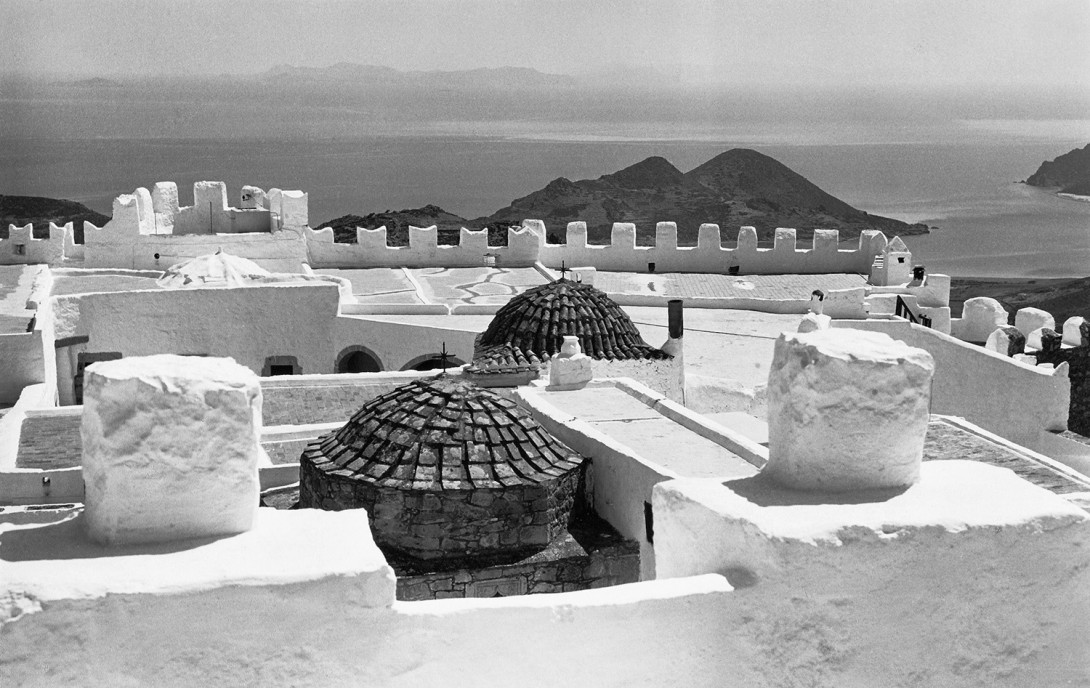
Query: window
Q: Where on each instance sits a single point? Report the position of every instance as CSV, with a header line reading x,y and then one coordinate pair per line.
x,y
649,522
358,359
281,365
20,249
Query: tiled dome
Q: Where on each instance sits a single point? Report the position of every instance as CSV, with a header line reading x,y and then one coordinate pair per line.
x,y
447,470
504,359
538,319
443,434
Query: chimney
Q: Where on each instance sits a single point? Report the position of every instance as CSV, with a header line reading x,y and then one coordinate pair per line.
x,y
677,318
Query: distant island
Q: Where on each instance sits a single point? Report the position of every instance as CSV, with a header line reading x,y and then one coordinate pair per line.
x,y
735,188
1068,174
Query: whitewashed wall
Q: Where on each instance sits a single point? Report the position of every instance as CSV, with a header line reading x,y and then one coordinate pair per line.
x,y
396,344
371,250
248,324
1011,399
22,363
49,251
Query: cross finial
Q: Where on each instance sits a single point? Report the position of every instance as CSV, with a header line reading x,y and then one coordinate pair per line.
x,y
443,358
563,270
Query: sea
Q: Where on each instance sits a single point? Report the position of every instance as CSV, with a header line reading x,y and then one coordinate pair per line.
x,y
964,182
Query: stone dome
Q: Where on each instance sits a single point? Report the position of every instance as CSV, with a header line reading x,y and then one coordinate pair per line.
x,y
447,470
537,320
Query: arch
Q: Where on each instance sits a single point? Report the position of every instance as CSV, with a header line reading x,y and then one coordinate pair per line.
x,y
281,365
432,362
358,359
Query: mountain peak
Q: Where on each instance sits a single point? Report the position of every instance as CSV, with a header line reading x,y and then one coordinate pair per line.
x,y
651,173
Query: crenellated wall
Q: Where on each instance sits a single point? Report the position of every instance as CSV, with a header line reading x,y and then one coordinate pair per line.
x,y
150,230
424,250
21,248
526,245
822,256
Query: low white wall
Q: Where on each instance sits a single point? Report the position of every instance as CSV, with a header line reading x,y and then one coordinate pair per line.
x,y
659,633
666,376
999,394
972,577
248,324
48,251
621,479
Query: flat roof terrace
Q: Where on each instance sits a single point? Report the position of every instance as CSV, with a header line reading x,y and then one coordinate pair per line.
x,y
650,434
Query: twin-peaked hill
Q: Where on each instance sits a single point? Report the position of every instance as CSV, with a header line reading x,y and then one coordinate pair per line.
x,y
735,188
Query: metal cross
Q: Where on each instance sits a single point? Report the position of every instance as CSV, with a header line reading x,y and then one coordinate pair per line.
x,y
443,358
563,270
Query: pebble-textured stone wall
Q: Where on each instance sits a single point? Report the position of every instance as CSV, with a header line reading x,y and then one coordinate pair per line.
x,y
613,565
1078,360
454,524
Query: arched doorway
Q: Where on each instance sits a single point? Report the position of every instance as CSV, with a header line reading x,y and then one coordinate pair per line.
x,y
358,359
433,362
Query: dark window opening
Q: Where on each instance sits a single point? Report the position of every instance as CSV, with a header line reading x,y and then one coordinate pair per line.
x,y
358,361
901,259
20,249
649,522
433,362
281,365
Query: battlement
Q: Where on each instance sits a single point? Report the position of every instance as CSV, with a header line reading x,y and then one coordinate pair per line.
x,y
622,254
158,212
22,248
527,245
424,250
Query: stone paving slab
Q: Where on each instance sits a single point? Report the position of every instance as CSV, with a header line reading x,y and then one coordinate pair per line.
x,y
945,441
49,442
378,285
693,285
649,434
477,285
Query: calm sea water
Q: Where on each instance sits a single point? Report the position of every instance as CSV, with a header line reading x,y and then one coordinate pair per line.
x,y
988,225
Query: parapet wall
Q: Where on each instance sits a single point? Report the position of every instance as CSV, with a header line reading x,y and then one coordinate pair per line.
x,y
1001,395
372,251
622,255
21,248
283,251
526,245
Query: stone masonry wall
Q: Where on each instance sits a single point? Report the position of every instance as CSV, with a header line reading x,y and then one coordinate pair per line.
x,y
611,565
450,524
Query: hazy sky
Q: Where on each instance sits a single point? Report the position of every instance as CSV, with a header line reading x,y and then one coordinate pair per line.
x,y
990,42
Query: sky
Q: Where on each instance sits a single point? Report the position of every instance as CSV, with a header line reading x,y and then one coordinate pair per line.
x,y
788,42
